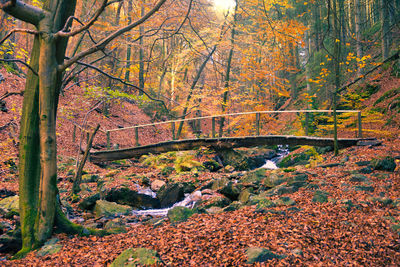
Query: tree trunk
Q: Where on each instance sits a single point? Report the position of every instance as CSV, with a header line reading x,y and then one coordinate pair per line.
x,y
228,71
141,52
358,34
385,29
337,56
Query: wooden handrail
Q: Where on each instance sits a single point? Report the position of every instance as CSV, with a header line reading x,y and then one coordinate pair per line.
x,y
231,114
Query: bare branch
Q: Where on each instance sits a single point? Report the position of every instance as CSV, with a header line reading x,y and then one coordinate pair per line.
x,y
20,61
101,45
17,30
7,94
123,82
64,33
23,11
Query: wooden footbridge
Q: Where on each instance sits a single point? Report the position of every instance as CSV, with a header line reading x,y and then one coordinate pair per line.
x,y
220,142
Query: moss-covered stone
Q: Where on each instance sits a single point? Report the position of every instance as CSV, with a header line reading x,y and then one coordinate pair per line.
x,y
285,201
212,165
10,204
105,208
254,177
320,196
179,214
137,257
364,188
384,164
244,195
50,247
257,254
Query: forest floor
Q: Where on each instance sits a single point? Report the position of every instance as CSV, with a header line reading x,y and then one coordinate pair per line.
x,y
354,227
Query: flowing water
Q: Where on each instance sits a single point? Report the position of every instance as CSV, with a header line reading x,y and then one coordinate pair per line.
x,y
190,199
282,151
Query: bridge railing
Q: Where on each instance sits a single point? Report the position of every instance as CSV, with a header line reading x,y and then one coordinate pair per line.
x,y
214,117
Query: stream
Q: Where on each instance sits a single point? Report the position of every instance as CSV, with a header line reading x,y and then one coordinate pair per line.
x,y
190,199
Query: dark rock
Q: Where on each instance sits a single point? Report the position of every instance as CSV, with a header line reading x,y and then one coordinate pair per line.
x,y
254,177
179,214
285,190
363,163
166,171
6,193
384,164
169,194
364,188
358,178
231,191
369,143
125,196
320,196
366,170
330,165
11,242
212,165
89,202
50,247
257,254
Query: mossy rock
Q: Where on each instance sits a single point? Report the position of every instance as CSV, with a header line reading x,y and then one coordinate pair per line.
x,y
257,254
179,214
254,177
217,201
231,190
89,202
235,159
219,183
212,165
274,179
50,247
105,208
244,195
320,196
167,171
301,158
10,204
364,188
285,201
90,178
358,178
137,257
384,164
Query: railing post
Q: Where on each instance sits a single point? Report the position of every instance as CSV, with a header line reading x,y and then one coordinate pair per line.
x,y
87,137
108,139
173,130
74,134
306,124
137,136
257,124
360,135
198,127
213,127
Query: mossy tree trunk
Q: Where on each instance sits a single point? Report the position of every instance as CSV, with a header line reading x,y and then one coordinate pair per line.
x,y
38,152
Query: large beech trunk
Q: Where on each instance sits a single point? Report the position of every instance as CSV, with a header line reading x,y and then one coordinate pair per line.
x,y
38,152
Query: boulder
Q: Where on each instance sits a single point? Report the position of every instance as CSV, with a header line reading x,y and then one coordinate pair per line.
x,y
216,200
254,177
384,164
90,178
274,179
219,183
125,196
231,190
244,195
234,158
301,158
179,214
137,257
285,201
358,178
157,184
10,204
320,196
257,254
212,165
50,247
364,188
89,202
106,208
169,194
